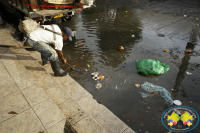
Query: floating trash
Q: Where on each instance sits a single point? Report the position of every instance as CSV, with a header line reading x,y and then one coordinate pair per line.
x,y
158,89
145,95
154,93
133,36
165,50
101,77
98,85
150,66
177,102
185,16
137,85
121,48
188,73
125,81
188,51
95,75
88,65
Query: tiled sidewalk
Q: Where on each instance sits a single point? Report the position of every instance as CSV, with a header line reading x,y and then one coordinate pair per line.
x,y
34,101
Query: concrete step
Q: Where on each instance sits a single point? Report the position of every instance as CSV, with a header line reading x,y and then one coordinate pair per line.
x,y
35,101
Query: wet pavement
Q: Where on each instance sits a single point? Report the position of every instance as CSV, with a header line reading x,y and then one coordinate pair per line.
x,y
108,26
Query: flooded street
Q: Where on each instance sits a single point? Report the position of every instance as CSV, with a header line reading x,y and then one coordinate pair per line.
x,y
108,26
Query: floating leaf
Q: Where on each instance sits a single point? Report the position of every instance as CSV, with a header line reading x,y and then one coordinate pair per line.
x,y
137,85
125,81
188,51
154,93
121,48
165,50
12,112
74,66
68,68
101,77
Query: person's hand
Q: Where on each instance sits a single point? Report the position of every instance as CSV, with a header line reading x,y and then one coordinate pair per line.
x,y
64,61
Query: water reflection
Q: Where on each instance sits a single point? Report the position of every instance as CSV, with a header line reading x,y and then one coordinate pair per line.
x,y
184,65
104,29
110,32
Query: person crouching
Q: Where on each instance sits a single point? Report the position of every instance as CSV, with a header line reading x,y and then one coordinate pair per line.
x,y
42,39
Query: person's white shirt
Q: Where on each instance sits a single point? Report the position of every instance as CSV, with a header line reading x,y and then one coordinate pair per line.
x,y
46,36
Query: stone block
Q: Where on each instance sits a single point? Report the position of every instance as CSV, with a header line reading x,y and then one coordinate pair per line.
x,y
35,94
11,42
57,128
72,111
46,81
88,125
57,94
110,122
24,80
90,105
8,58
49,113
8,87
76,91
12,103
4,74
16,68
64,81
26,122
1,64
128,130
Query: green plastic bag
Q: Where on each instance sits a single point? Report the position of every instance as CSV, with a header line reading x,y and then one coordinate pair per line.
x,y
151,67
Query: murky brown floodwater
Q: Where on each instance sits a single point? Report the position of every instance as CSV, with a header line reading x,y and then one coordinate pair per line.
x,y
105,28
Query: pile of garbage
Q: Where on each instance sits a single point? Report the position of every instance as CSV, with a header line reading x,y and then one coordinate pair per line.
x,y
96,76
